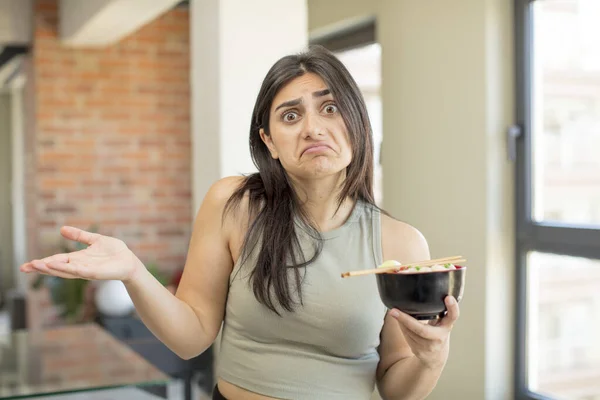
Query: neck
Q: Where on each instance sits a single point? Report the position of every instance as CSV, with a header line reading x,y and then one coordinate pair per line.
x,y
320,199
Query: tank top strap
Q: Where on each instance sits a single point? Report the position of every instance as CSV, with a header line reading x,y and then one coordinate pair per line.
x,y
376,234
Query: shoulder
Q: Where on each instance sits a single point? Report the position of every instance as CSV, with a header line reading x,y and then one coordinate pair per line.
x,y
220,193
216,201
230,197
223,207
401,230
402,241
222,190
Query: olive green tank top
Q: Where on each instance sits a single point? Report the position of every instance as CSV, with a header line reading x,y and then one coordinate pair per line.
x,y
326,348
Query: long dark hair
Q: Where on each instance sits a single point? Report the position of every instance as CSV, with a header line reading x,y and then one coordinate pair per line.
x,y
274,206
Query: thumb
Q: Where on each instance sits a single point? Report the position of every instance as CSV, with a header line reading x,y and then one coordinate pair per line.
x,y
79,235
453,312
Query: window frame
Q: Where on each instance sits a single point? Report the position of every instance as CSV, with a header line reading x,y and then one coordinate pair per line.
x,y
546,237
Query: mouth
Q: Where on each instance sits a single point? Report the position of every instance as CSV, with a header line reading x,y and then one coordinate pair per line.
x,y
318,148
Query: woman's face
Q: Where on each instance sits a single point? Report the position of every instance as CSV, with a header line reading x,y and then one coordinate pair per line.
x,y
307,132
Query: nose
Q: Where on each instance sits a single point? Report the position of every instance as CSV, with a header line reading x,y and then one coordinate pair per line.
x,y
313,128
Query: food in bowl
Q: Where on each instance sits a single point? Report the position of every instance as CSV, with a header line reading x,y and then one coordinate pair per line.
x,y
416,268
390,263
420,290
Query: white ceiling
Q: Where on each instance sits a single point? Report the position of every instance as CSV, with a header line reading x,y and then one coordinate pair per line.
x,y
103,22
15,22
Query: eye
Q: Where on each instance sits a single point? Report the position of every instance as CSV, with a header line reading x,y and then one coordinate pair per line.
x,y
331,109
290,116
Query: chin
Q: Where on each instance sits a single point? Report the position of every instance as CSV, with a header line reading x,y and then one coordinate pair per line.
x,y
318,168
322,171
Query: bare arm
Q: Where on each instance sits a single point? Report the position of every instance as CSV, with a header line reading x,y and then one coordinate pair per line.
x,y
400,374
189,322
186,323
170,319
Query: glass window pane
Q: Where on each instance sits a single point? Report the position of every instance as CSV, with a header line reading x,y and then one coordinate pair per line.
x,y
563,326
566,111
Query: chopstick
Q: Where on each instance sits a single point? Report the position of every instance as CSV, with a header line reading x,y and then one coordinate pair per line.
x,y
425,263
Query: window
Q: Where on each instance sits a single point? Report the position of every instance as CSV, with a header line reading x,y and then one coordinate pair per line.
x,y
558,199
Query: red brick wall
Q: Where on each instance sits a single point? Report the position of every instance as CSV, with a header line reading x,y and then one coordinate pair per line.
x,y
112,137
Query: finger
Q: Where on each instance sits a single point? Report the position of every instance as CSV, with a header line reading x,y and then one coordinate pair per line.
x,y
45,269
453,312
40,266
414,341
79,235
57,257
59,274
27,268
413,325
75,270
42,273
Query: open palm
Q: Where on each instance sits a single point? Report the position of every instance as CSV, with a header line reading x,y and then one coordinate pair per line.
x,y
105,258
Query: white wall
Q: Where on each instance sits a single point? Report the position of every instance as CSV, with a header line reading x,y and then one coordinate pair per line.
x,y
6,245
447,99
234,43
13,241
19,234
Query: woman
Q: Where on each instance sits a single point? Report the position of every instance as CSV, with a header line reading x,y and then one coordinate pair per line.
x,y
267,251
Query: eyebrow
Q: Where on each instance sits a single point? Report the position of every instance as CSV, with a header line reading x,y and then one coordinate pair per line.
x,y
295,102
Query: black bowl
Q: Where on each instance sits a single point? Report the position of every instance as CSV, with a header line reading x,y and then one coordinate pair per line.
x,y
421,294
